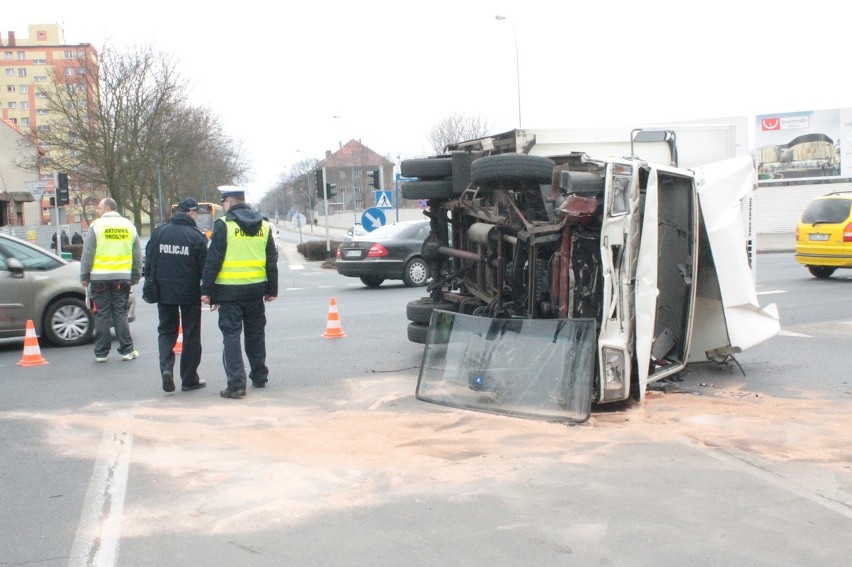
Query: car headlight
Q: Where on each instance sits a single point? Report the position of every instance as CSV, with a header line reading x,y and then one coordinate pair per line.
x,y
614,377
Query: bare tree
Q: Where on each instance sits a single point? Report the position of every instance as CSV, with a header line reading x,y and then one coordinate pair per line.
x,y
121,126
456,128
295,189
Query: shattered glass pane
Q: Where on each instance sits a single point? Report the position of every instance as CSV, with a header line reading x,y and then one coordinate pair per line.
x,y
533,368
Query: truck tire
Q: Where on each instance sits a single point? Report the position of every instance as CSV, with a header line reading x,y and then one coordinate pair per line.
x,y
417,332
489,171
428,168
430,189
420,310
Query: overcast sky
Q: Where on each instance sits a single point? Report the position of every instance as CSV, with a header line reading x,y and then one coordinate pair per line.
x,y
277,73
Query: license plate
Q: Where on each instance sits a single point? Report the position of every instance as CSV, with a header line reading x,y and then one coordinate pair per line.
x,y
818,237
352,253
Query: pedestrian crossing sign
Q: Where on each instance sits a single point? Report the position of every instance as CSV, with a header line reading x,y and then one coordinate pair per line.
x,y
383,200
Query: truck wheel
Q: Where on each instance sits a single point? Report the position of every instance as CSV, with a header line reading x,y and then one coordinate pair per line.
x,y
430,189
417,332
821,272
489,171
429,168
420,310
416,272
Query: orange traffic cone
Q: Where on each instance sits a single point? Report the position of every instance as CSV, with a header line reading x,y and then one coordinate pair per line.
x,y
32,354
179,344
333,330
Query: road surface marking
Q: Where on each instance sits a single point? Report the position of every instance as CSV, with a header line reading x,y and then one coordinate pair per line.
x,y
99,531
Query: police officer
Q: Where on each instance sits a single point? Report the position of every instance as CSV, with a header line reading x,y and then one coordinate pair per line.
x,y
175,258
241,273
111,262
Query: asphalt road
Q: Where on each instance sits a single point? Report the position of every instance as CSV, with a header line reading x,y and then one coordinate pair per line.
x,y
337,463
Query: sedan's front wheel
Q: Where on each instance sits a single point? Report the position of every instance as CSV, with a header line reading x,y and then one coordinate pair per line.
x,y
416,272
67,322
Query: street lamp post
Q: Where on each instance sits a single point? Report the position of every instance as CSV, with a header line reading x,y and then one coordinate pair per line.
x,y
517,65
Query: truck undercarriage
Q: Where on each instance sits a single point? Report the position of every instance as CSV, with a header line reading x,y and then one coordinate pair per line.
x,y
557,282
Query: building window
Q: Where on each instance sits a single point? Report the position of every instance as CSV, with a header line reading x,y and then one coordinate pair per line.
x,y
25,105
25,121
42,111
8,55
43,128
10,71
69,71
342,174
40,94
10,88
22,56
12,104
22,72
39,79
23,89
81,55
69,55
39,61
81,71
13,120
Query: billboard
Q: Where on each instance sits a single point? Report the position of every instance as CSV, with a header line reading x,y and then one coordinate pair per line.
x,y
809,146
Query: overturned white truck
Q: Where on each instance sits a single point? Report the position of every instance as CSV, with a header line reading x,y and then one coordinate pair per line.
x,y
564,280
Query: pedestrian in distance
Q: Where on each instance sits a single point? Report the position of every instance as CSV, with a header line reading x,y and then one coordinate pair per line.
x,y
240,274
63,240
111,262
175,258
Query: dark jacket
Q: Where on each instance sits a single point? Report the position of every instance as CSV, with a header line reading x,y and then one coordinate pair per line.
x,y
179,255
250,222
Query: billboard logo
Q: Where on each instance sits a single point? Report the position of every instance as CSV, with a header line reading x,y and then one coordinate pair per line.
x,y
770,124
785,123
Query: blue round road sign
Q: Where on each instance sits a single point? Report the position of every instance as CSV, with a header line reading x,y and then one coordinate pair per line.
x,y
373,218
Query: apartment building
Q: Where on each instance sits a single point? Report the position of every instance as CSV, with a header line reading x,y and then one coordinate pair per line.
x,y
25,67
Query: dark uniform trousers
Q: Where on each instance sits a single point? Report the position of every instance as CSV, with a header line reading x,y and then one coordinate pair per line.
x,y
187,316
232,316
110,299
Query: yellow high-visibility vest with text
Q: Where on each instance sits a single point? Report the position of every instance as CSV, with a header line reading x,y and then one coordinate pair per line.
x,y
114,246
245,256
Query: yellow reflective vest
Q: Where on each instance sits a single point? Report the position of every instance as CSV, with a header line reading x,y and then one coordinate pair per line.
x,y
245,256
114,247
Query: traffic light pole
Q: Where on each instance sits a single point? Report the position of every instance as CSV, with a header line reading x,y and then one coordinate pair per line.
x,y
325,205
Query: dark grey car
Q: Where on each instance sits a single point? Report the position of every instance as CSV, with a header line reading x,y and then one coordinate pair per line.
x,y
390,252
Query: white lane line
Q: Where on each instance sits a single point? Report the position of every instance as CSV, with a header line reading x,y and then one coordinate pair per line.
x,y
772,292
99,531
297,267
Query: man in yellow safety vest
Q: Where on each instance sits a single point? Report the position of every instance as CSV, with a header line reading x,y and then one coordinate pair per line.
x,y
240,274
111,262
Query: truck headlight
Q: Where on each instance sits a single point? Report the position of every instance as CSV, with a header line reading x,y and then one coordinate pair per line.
x,y
614,378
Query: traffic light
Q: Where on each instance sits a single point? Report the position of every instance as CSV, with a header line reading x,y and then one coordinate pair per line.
x,y
328,189
320,181
62,188
375,181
